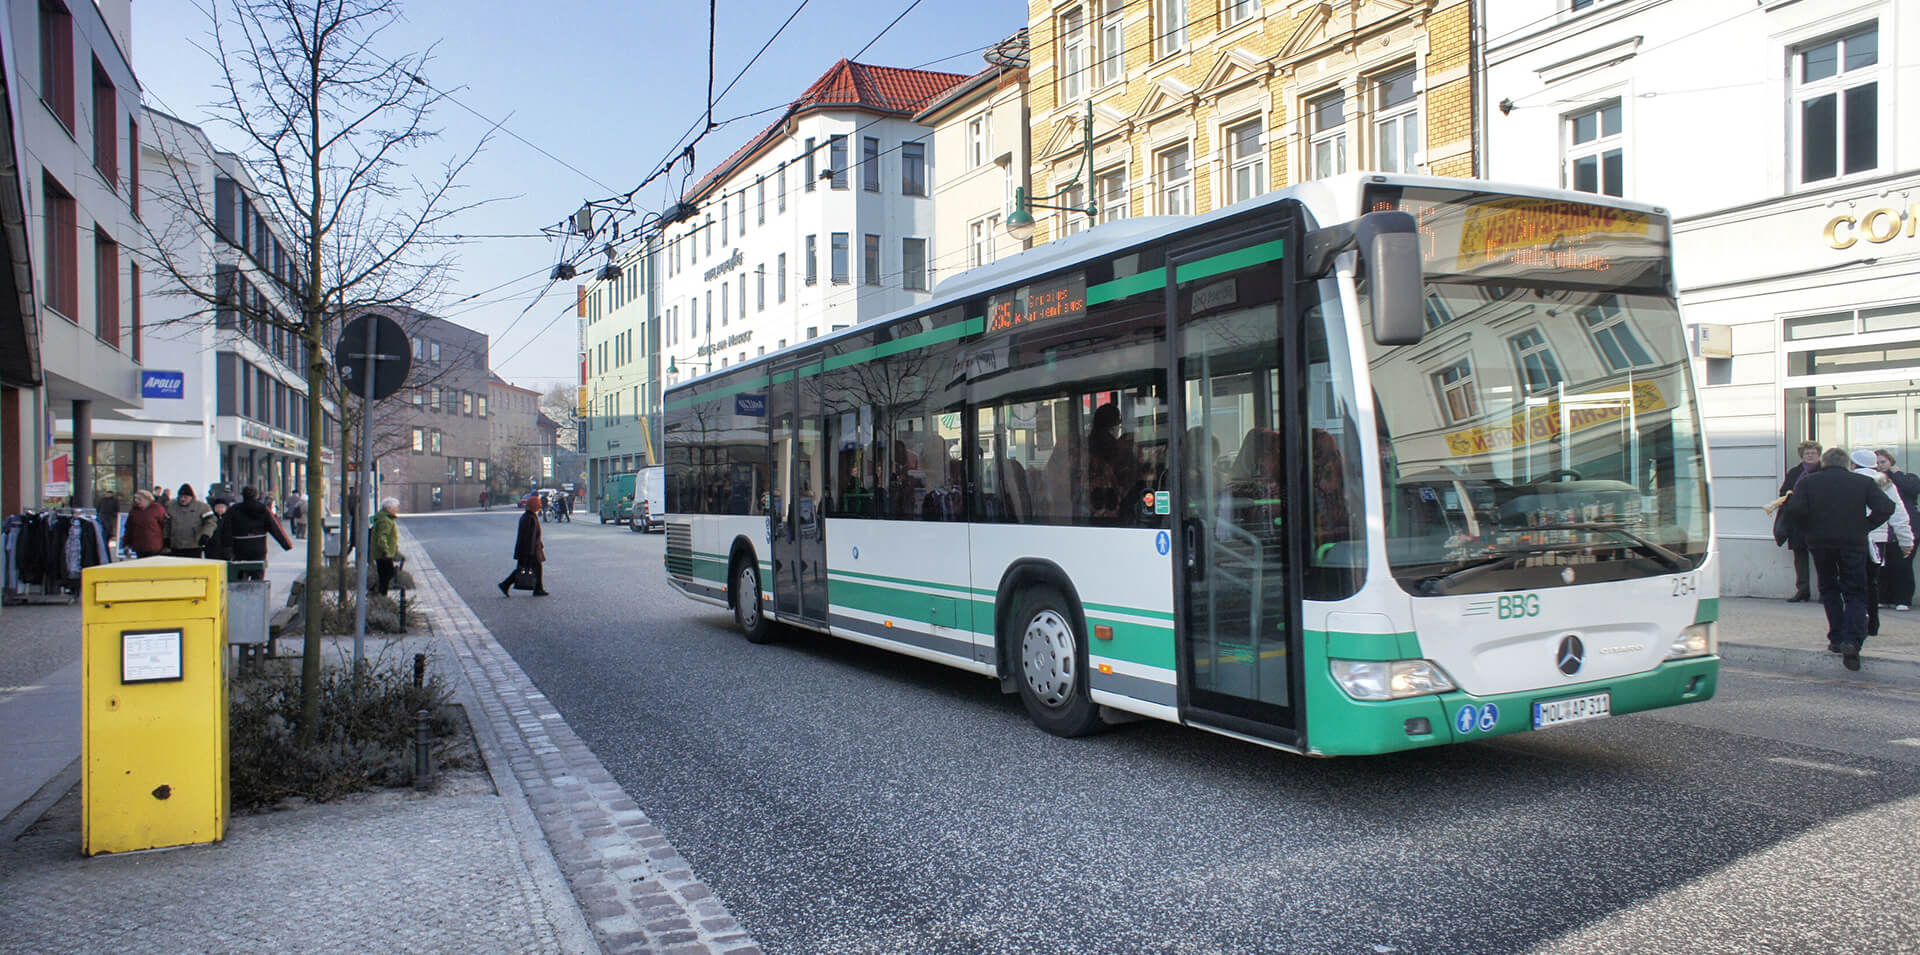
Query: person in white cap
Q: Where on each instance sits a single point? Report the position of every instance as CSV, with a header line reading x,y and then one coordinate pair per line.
x,y
1898,529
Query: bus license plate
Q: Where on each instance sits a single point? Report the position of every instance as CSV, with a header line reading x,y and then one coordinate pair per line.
x,y
1556,712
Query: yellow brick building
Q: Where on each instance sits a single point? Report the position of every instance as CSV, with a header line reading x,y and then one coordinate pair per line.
x,y
1199,103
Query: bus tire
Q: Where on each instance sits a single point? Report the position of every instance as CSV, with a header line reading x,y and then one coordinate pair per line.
x,y
747,611
1052,663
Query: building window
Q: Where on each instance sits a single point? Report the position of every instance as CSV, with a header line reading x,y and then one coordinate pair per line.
x,y
1396,120
1458,398
979,140
723,303
1175,173
1075,221
870,164
913,169
1327,125
1614,336
913,264
837,161
419,441
760,288
742,313
62,250
56,60
106,127
1595,151
1113,42
840,263
812,264
780,279
1534,357
1110,190
1837,90
436,441
723,222
741,222
133,290
1072,37
106,289
780,190
1169,27
980,242
760,200
1247,160
1236,12
871,260
709,230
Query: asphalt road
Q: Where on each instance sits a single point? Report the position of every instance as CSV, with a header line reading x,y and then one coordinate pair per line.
x,y
843,799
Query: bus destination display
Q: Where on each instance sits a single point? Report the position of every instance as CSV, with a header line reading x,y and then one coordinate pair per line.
x,y
1057,299
1523,237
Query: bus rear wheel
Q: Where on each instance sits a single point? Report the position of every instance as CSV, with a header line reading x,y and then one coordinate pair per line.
x,y
1053,664
747,613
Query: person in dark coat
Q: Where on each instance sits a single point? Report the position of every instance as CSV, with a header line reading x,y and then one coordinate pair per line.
x,y
220,544
146,526
1809,462
528,548
249,524
1896,576
1836,509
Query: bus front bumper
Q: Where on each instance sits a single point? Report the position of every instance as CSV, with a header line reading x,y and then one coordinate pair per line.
x,y
1349,727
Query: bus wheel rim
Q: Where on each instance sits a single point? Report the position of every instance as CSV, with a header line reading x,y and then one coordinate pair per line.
x,y
1048,656
748,597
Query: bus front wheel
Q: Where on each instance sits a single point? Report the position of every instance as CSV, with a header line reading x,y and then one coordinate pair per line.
x,y
1053,664
746,602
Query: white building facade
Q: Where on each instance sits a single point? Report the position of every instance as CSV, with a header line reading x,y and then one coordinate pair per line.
x,y
822,221
980,154
621,357
226,396
73,123
1781,136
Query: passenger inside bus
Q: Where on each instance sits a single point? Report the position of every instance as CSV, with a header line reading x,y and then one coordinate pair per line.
x,y
1113,469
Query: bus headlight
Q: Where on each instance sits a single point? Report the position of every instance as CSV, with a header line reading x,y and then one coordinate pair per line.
x,y
1698,640
1389,680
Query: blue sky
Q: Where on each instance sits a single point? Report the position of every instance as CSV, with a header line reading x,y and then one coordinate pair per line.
x,y
607,87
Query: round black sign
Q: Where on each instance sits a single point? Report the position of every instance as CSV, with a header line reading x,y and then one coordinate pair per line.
x,y
386,341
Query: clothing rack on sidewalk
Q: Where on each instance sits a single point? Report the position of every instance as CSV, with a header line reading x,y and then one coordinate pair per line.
x,y
45,551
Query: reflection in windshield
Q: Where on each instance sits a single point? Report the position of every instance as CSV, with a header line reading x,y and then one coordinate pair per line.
x,y
1539,437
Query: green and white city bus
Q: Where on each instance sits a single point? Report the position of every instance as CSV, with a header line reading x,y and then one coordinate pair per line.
x,y
1371,463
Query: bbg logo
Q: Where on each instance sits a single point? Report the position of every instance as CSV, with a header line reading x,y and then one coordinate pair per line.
x,y
1518,606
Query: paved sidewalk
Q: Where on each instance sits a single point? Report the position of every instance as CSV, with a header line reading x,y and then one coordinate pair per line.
x,y
1768,634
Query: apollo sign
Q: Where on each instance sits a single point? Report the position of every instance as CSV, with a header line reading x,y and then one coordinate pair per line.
x,y
163,384
1878,226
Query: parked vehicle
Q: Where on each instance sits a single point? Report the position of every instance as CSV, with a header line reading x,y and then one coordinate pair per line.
x,y
616,499
650,507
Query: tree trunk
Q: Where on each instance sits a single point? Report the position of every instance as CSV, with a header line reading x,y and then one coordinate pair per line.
x,y
316,535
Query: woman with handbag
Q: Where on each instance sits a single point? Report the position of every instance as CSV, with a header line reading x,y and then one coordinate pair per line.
x,y
529,552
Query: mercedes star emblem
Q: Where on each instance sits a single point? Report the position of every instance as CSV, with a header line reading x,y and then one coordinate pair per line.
x,y
1572,653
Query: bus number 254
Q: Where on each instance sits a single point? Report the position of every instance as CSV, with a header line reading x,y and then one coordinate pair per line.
x,y
1517,606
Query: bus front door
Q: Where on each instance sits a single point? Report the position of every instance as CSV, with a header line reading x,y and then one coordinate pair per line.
x,y
797,523
1239,634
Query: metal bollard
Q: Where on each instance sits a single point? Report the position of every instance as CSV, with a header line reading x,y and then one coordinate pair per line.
x,y
419,670
403,610
422,750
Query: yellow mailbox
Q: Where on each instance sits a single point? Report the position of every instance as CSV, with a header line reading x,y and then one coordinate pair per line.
x,y
154,704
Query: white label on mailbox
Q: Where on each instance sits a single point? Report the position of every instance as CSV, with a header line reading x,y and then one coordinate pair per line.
x,y
149,655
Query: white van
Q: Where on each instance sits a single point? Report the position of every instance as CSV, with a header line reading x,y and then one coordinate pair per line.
x,y
650,498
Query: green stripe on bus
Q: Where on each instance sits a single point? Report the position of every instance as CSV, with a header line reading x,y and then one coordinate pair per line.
x,y
1228,261
956,588
783,377
971,326
1133,611
1131,285
739,388
1132,642
1708,610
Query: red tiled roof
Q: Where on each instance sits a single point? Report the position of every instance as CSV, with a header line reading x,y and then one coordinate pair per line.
x,y
848,85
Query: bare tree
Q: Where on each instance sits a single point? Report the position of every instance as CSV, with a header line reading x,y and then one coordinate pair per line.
x,y
327,124
562,404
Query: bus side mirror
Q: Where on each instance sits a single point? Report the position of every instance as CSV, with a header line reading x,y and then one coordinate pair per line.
x,y
1389,244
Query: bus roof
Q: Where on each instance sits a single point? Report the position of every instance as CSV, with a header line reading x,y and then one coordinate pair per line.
x,y
1328,200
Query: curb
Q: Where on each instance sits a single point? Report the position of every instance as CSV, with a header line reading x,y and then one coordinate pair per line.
x,y
634,888
1793,661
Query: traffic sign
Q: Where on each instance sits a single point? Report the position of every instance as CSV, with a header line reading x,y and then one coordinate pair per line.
x,y
386,341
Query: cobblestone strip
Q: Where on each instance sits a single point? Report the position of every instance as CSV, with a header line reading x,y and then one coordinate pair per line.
x,y
635,888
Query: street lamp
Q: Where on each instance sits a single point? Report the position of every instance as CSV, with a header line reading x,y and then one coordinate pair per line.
x,y
1020,221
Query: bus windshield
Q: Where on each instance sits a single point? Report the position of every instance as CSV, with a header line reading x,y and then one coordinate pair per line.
x,y
1543,432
